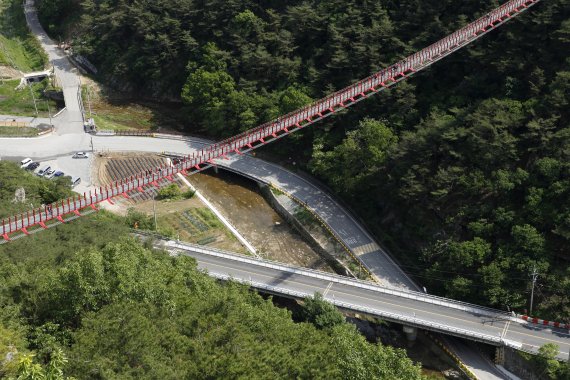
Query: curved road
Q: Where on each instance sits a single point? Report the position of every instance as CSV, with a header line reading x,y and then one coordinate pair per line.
x,y
71,120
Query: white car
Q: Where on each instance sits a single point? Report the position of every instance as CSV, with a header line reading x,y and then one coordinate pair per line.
x,y
25,162
81,155
50,173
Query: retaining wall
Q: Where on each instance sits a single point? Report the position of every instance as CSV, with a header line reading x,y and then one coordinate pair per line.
x,y
313,242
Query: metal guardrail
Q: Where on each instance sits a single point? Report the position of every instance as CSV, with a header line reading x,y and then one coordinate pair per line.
x,y
396,317
400,318
422,297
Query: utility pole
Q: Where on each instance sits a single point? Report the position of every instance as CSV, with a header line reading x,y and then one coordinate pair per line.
x,y
33,97
49,113
534,275
154,211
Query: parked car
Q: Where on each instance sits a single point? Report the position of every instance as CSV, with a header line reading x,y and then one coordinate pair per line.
x,y
81,155
50,173
33,166
75,181
43,171
24,163
58,173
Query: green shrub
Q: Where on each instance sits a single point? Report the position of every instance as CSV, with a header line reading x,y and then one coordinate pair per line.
x,y
139,220
189,193
171,191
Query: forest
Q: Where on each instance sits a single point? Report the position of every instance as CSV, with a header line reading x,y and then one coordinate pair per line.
x,y
87,301
462,171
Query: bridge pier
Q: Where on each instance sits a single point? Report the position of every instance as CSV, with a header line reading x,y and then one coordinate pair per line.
x,y
411,333
500,355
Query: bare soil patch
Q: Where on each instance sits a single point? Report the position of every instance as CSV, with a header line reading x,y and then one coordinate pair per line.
x,y
7,72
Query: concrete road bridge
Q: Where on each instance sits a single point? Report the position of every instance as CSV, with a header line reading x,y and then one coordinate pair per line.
x,y
231,153
410,308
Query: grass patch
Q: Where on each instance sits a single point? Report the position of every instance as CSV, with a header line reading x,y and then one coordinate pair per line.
x,y
18,47
276,191
305,217
197,225
20,102
111,112
193,225
121,121
18,131
116,117
209,217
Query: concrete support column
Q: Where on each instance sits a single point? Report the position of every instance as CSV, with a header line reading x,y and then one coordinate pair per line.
x,y
411,333
500,355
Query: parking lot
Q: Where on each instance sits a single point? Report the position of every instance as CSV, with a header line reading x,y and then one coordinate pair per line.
x,y
73,167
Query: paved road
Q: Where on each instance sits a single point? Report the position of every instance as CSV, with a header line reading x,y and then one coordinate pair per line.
x,y
71,120
411,308
340,221
347,229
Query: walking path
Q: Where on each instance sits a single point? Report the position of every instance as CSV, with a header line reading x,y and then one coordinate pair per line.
x,y
71,120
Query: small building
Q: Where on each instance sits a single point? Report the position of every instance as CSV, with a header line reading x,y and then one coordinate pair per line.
x,y
37,76
34,77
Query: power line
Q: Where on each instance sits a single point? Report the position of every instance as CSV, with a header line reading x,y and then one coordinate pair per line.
x,y
448,280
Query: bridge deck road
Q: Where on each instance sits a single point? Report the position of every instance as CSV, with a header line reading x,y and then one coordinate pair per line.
x,y
422,313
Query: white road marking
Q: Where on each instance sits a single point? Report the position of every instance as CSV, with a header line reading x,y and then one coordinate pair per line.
x,y
505,329
559,343
328,288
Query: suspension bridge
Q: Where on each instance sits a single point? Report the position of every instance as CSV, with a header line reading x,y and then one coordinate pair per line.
x,y
276,129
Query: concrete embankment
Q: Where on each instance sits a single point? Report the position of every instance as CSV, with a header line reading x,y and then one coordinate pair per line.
x,y
287,208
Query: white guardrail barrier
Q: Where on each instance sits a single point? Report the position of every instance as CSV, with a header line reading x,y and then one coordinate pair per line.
x,y
431,299
412,321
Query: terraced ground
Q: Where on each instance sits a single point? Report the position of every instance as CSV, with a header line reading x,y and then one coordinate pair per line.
x,y
115,168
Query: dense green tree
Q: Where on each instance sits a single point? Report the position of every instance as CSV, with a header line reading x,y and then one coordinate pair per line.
x,y
320,313
357,359
351,166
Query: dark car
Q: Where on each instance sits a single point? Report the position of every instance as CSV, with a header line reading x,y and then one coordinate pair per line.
x,y
33,166
43,171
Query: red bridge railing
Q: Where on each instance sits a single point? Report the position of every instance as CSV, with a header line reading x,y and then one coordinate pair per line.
x,y
275,129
